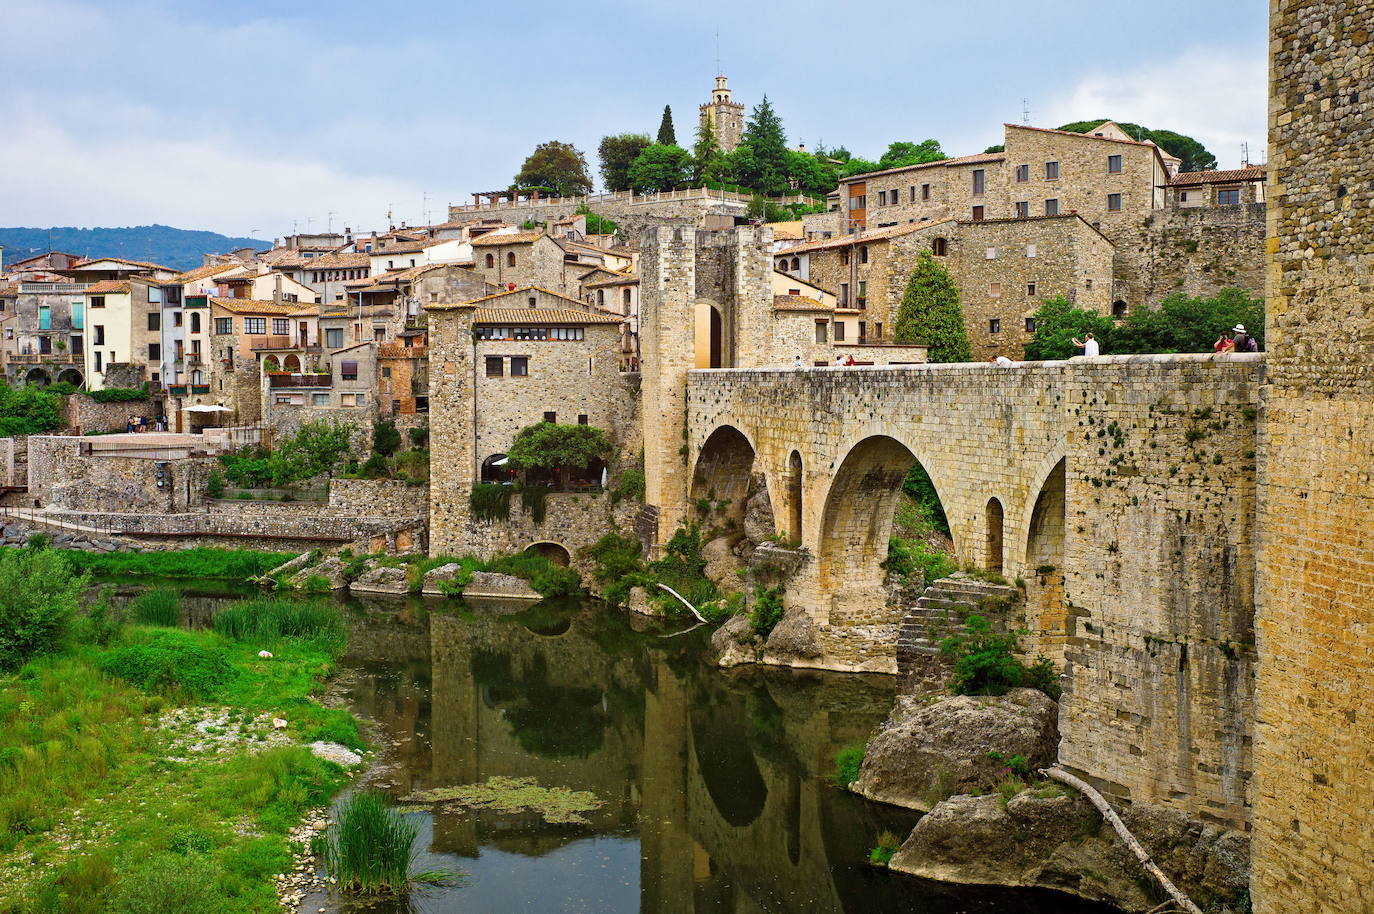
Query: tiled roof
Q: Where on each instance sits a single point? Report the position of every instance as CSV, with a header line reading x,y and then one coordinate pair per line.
x,y
541,316
975,159
1107,139
10,290
252,306
1193,178
142,264
844,241
787,231
627,279
516,238
337,261
799,303
204,272
521,291
108,287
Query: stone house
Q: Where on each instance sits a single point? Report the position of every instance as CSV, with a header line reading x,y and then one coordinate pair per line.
x,y
617,293
403,375
241,329
1189,189
125,318
262,287
44,330
537,259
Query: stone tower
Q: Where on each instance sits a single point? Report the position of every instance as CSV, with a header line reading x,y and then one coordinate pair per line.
x,y
1313,823
726,116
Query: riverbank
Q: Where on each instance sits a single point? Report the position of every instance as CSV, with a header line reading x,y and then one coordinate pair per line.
x,y
164,769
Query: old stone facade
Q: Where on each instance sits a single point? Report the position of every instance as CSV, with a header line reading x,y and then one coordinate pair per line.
x,y
632,212
44,331
1314,832
725,115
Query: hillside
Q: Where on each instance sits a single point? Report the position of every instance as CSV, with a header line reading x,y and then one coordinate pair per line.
x,y
173,247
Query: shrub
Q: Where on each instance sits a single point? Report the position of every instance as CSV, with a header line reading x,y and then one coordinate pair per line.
x,y
37,603
917,485
1042,675
28,410
280,617
848,761
120,394
930,312
171,661
102,622
534,499
631,485
159,606
617,563
375,467
490,502
908,558
683,568
370,847
214,486
238,564
419,437
543,575
171,884
385,438
767,611
886,848
1058,322
984,663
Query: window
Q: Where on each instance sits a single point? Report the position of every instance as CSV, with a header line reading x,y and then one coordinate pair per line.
x,y
1030,325
495,366
154,295
550,417
97,360
862,300
386,372
319,399
379,334
77,346
422,404
991,254
939,246
490,261
822,331
1087,283
255,325
925,191
1030,290
45,318
1051,171
79,315
1022,174
1051,207
519,366
348,370
839,332
1227,195
859,202
1022,209
1113,203
352,399
154,320
280,326
510,258
994,290
333,337
581,418
863,255
844,295
533,301
994,326
1118,309
1113,165
99,334
97,301
1030,250
882,198
176,318
1183,197
844,257
195,321
912,196
980,181
977,214
155,352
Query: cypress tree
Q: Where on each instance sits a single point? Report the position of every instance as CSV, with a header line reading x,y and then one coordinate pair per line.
x,y
930,313
667,136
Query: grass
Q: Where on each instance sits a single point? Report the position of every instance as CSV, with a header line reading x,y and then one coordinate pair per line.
x,y
159,606
848,761
238,564
95,815
270,618
370,848
882,853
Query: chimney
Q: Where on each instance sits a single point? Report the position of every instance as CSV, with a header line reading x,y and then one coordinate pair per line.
x,y
276,293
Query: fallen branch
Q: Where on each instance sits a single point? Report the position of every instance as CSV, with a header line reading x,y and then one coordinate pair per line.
x,y
686,604
1063,777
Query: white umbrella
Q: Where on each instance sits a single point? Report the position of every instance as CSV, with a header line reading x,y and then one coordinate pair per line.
x,y
206,409
500,463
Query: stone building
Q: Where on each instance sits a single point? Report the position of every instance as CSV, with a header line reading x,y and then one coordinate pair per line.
x,y
725,116
125,318
239,330
44,330
1191,189
1313,828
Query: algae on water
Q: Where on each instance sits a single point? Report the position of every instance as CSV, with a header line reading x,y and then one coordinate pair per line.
x,y
557,805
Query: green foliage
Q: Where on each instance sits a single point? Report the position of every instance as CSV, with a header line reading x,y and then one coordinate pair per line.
x,y
882,853
667,136
534,499
598,225
120,394
543,575
269,618
901,154
1194,155
490,501
558,166
630,485
1000,147
171,883
617,563
617,153
28,410
1058,322
767,610
707,159
918,486
159,606
766,210
1183,324
385,438
317,448
171,661
37,603
419,436
661,168
375,467
102,622
760,161
984,663
683,568
551,446
214,486
200,562
848,762
909,558
370,847
930,312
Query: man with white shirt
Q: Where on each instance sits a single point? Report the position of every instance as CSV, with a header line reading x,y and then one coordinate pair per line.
x,y
1088,345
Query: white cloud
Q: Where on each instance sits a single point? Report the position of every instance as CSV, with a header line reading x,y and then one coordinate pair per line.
x,y
1218,96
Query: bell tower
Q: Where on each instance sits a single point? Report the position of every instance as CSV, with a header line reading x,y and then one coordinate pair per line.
x,y
725,115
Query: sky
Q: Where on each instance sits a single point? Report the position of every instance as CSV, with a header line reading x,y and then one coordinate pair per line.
x,y
257,118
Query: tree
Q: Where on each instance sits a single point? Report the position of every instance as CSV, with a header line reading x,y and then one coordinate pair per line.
x,y
1183,324
810,174
1193,154
1058,322
661,168
902,154
856,166
706,154
315,449
617,153
764,136
667,136
40,596
550,446
558,166
28,410
385,438
930,313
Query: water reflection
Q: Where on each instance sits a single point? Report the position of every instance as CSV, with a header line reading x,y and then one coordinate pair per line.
x,y
713,784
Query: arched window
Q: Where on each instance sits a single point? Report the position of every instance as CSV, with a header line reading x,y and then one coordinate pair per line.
x,y
939,247
993,560
197,377
195,321
270,364
510,258
627,301
1118,308
496,469
491,261
796,263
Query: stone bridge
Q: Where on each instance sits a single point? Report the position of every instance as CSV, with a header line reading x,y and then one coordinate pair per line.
x,y
1120,491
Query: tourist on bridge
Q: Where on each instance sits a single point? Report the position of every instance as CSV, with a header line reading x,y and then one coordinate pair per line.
x,y
1089,345
1224,344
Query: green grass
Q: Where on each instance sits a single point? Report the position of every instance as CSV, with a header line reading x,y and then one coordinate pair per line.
x,y
886,848
370,847
159,606
269,618
848,761
238,564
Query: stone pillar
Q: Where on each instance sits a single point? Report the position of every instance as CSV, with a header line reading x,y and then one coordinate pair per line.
x,y
453,463
666,341
1313,822
753,300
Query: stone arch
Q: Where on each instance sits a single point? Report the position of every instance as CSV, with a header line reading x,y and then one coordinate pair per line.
x,y
556,553
794,496
490,261
1118,308
510,258
1044,565
723,474
270,363
38,376
494,471
994,548
291,363
71,376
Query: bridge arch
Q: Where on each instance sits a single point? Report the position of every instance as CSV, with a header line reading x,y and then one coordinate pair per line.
x,y
38,376
556,553
793,479
724,473
994,551
1044,563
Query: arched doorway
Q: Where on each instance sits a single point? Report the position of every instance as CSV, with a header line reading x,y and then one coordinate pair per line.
x,y
270,364
554,552
1044,575
992,557
1118,308
70,376
794,497
495,469
38,377
722,478
716,340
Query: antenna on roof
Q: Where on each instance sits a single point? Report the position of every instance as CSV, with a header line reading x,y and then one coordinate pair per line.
x,y
717,52
1025,111
424,206
332,214
1245,154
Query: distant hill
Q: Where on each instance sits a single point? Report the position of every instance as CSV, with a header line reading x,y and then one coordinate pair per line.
x,y
172,247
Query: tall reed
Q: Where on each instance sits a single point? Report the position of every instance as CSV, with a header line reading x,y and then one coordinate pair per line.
x,y
280,617
159,606
370,847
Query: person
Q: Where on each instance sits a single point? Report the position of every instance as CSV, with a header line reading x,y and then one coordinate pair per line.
x,y
1239,339
1224,344
839,361
797,363
850,361
1089,345
1002,360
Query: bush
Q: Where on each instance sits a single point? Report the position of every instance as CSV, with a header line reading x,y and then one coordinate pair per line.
x,y
370,847
1058,322
767,611
200,562
120,394
550,446
28,410
40,597
171,661
159,606
543,575
918,486
385,438
534,499
984,663
214,486
419,437
617,565
102,622
631,485
908,558
171,883
264,618
375,467
848,761
490,502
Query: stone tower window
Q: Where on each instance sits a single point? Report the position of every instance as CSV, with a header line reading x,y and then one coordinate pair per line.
x,y
939,247
510,259
490,261
1051,171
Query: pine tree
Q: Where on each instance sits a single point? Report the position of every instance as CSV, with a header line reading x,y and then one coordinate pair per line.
x,y
706,152
930,313
667,136
764,135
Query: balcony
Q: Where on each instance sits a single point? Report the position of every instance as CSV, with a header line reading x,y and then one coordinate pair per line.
x,y
200,388
276,341
277,381
176,390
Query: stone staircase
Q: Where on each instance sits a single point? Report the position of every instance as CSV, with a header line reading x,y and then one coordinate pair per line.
x,y
941,611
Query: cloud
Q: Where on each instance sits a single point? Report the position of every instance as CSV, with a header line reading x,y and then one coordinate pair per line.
x,y
1218,96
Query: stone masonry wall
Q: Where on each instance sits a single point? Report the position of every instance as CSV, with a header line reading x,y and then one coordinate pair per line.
x,y
378,498
1314,830
632,217
83,414
1196,252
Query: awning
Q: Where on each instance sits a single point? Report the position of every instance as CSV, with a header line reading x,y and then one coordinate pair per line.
x,y
206,409
500,463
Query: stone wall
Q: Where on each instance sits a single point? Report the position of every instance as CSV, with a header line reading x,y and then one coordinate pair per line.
x,y
378,498
61,477
1314,831
1196,252
632,215
83,414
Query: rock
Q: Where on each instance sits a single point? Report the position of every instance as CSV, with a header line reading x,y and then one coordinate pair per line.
x,y
1047,839
278,724
758,516
722,565
735,643
333,752
925,753
265,655
291,567
436,576
491,584
331,568
793,639
382,579
640,603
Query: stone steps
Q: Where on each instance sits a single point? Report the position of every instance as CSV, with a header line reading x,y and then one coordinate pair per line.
x,y
940,612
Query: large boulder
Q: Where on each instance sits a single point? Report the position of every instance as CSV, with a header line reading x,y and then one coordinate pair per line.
x,y
640,603
925,753
505,586
382,579
289,568
1052,838
758,516
437,576
722,565
735,643
330,568
793,639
